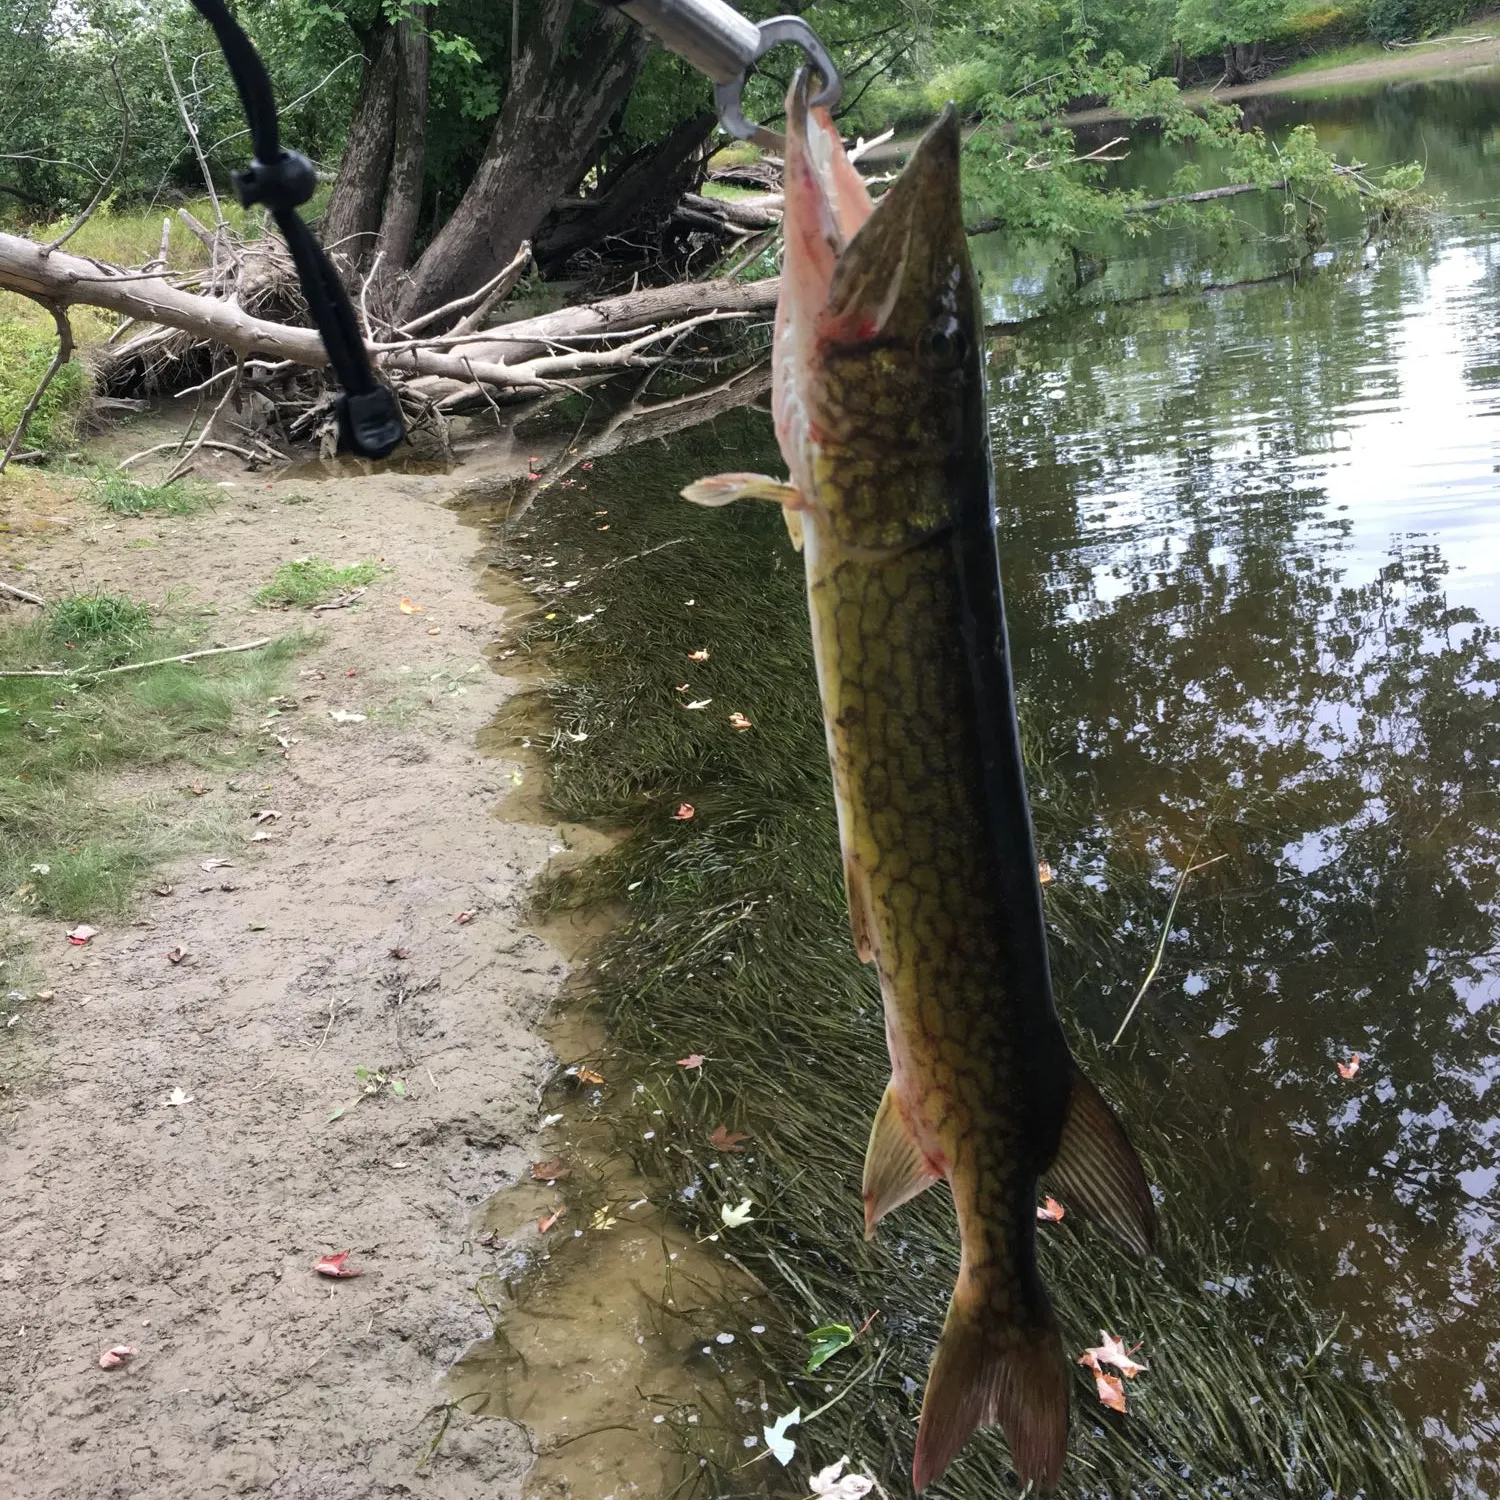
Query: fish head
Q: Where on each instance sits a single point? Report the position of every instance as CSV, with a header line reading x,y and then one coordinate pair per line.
x,y
880,405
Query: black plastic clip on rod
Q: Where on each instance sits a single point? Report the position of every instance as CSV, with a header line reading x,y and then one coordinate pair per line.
x,y
368,415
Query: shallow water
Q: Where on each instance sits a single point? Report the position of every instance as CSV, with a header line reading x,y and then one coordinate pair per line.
x,y
1254,588
1252,549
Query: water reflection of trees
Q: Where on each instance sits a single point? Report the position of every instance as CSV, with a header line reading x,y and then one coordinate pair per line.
x,y
1193,655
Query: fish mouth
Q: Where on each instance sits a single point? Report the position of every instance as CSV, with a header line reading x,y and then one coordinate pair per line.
x,y
908,261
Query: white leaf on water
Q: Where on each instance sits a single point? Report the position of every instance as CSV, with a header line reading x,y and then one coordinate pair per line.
x,y
782,1447
739,1214
826,1482
698,703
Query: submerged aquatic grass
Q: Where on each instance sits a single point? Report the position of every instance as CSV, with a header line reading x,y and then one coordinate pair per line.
x,y
735,945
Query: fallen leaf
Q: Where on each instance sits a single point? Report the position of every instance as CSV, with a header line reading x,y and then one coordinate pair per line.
x,y
1044,873
603,1219
692,1060
698,703
698,655
464,918
1112,1351
343,716
112,1359
1050,1211
683,813
80,935
398,952
827,1482
781,1446
261,837
1110,1389
588,1075
162,890
588,463
199,790
682,687
178,1097
333,1265
266,815
724,1139
177,954
551,1171
408,608
740,721
739,1214
826,1341
44,994
1349,1069
215,863
434,630
546,1223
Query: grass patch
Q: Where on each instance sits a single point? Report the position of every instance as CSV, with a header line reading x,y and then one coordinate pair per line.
x,y
310,580
66,851
129,497
735,944
26,349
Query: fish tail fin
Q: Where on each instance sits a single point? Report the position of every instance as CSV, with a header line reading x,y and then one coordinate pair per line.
x,y
989,1370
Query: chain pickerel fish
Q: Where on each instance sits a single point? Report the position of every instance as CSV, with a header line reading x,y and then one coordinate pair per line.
x,y
878,393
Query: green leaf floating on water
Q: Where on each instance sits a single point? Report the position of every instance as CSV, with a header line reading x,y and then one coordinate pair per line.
x,y
826,1341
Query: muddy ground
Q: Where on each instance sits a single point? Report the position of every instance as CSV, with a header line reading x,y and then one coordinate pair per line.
x,y
190,1230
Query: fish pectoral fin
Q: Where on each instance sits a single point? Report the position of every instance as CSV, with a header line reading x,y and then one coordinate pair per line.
x,y
725,489
861,920
896,1168
988,1368
1097,1173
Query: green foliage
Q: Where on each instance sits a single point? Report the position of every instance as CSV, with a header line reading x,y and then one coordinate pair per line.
x,y
309,580
26,350
1405,20
128,497
1207,25
63,851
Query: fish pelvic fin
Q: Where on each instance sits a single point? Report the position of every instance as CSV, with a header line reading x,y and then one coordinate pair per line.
x,y
989,1370
725,489
1097,1173
896,1168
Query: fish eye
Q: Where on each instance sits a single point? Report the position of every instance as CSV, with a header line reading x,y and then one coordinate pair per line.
x,y
943,344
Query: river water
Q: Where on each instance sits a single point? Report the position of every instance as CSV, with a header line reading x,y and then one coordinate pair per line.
x,y
1252,555
1251,545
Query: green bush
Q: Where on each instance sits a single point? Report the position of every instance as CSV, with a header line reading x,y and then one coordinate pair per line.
x,y
26,349
1404,20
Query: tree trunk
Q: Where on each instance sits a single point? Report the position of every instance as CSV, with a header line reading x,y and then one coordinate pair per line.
x,y
541,143
352,218
403,190
646,188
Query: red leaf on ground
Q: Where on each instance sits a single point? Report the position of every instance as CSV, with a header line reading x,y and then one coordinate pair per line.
x,y
550,1171
333,1265
692,1060
588,1075
112,1359
1349,1069
739,721
80,935
464,918
684,812
544,1224
1050,1211
724,1139
176,955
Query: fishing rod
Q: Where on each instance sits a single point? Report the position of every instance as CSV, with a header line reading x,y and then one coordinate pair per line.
x,y
710,35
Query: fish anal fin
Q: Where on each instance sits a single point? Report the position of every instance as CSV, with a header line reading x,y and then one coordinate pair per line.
x,y
896,1168
793,519
861,920
1097,1173
725,489
987,1370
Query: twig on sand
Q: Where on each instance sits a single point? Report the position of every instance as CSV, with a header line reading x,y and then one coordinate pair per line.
x,y
342,602
140,666
1166,932
244,453
20,593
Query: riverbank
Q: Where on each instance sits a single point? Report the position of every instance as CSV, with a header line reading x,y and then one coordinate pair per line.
x,y
313,1030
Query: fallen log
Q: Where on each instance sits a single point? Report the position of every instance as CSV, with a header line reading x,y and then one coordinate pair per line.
x,y
532,353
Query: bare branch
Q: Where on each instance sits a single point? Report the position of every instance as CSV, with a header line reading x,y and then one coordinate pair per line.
x,y
22,594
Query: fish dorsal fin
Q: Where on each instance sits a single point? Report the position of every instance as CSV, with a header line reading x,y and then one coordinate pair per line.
x,y
1097,1173
896,1168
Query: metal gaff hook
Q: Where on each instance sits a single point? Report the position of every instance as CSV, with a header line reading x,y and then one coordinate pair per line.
x,y
718,41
